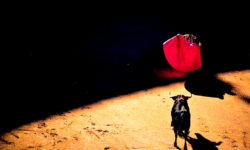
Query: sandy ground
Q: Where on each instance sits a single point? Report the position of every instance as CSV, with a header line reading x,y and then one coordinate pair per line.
x,y
141,121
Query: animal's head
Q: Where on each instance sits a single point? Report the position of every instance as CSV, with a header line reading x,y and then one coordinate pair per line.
x,y
179,97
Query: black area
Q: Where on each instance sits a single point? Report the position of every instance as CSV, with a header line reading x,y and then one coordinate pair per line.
x,y
202,143
246,99
65,62
205,83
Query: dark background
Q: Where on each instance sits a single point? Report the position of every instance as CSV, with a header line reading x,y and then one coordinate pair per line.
x,y
67,62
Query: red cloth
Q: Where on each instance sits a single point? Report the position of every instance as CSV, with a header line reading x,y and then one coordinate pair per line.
x,y
181,55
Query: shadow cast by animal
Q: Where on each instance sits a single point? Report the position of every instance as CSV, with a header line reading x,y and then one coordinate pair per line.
x,y
201,143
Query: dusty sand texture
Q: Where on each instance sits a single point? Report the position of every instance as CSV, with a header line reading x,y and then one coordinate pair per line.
x,y
141,121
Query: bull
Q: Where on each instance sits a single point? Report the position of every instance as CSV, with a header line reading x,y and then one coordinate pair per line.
x,y
180,117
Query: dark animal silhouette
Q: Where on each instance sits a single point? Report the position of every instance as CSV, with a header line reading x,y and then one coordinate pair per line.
x,y
201,143
180,117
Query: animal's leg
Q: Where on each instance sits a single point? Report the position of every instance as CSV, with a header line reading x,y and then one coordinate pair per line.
x,y
185,136
185,145
175,140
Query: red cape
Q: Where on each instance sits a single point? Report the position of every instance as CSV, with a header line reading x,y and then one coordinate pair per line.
x,y
182,56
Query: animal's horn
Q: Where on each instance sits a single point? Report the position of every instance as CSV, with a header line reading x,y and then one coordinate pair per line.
x,y
169,94
190,96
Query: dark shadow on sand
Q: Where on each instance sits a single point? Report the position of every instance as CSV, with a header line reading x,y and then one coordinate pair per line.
x,y
246,99
37,89
204,83
201,143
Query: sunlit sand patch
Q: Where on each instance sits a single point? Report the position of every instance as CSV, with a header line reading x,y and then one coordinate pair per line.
x,y
141,120
239,80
